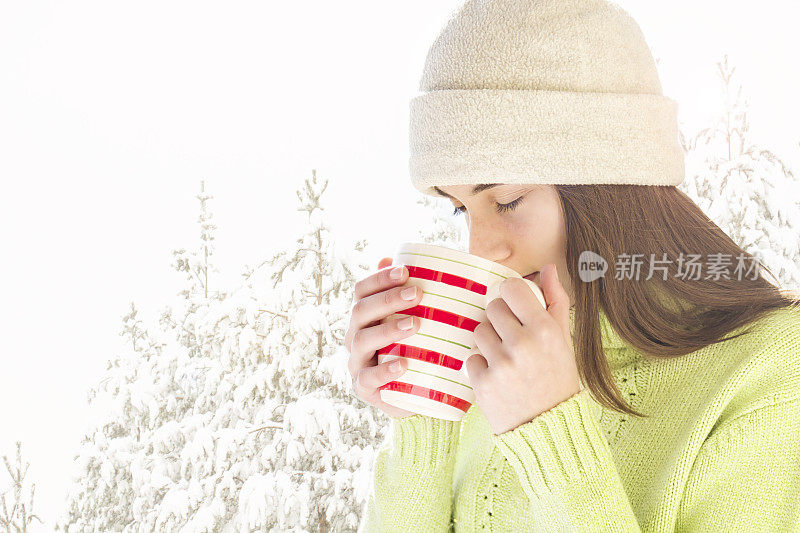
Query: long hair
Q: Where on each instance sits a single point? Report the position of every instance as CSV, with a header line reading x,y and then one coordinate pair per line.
x,y
661,317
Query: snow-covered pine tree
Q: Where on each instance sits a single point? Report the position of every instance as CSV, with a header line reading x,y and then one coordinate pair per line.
x,y
318,463
197,265
744,188
444,228
131,470
236,413
16,513
197,294
128,459
132,328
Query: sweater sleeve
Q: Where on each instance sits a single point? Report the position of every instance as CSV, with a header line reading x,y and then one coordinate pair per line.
x,y
413,475
563,461
746,476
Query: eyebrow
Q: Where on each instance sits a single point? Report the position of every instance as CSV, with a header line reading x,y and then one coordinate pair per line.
x,y
475,190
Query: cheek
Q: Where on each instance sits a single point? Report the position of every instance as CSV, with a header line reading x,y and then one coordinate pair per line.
x,y
542,229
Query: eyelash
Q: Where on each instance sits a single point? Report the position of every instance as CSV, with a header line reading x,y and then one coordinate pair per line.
x,y
501,208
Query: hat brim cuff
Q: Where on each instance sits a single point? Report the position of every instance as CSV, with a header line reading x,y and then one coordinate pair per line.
x,y
470,136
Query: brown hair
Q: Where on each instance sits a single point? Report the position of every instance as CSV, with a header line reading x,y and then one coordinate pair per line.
x,y
660,317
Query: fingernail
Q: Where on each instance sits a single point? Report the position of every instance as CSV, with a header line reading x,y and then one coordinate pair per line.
x,y
409,293
396,273
406,323
394,366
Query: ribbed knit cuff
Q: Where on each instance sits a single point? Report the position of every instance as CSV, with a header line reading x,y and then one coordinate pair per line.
x,y
560,446
424,442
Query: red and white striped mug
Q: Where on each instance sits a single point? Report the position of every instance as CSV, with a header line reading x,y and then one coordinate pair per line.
x,y
456,286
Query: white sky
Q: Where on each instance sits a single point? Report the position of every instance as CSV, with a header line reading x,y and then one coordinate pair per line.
x,y
111,114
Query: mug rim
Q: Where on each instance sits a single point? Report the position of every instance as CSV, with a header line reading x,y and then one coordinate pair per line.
x,y
465,257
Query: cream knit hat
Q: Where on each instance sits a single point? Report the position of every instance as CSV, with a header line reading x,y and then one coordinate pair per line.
x,y
542,91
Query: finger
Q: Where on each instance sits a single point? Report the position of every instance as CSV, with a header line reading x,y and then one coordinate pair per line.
x,y
373,396
556,296
503,320
370,378
521,301
371,310
384,262
489,343
378,281
375,303
476,368
368,341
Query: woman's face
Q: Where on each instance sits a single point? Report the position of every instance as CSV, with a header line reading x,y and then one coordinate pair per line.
x,y
526,236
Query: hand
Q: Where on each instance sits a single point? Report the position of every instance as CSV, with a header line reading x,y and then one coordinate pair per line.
x,y
526,364
376,297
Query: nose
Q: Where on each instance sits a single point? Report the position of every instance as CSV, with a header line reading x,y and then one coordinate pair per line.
x,y
487,244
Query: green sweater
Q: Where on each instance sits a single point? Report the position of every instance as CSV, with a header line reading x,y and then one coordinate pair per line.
x,y
719,452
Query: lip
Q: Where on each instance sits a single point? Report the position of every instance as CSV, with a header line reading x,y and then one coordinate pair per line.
x,y
533,277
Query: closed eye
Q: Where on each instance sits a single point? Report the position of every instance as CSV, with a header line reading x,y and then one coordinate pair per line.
x,y
500,208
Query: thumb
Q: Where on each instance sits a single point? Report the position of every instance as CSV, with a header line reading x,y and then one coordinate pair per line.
x,y
556,297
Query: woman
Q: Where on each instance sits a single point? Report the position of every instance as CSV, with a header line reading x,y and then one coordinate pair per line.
x,y
660,397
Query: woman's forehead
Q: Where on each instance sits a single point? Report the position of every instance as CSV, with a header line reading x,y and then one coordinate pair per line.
x,y
450,191
471,190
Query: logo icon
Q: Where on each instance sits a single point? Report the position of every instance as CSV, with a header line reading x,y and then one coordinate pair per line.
x,y
591,266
